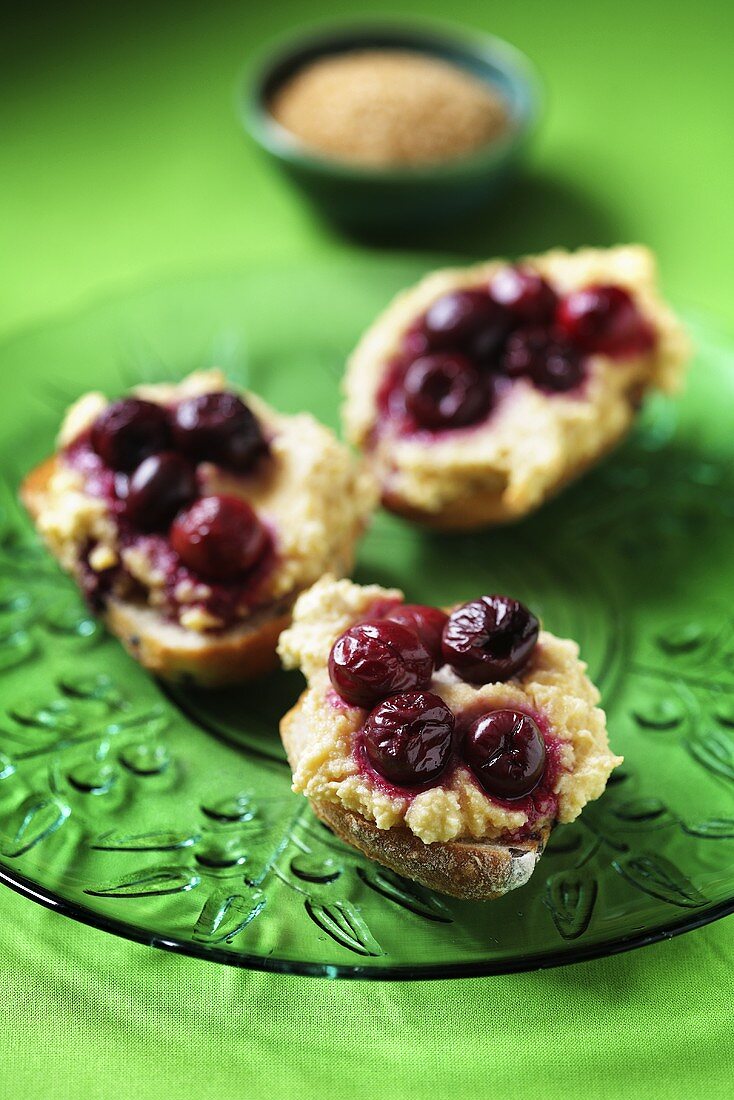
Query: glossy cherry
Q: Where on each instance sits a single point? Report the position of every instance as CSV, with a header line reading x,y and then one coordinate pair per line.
x,y
524,294
562,370
489,639
130,430
377,658
551,364
606,320
220,428
525,351
506,751
465,320
159,487
427,622
408,737
219,537
445,391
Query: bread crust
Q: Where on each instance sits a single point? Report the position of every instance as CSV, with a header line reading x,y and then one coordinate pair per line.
x,y
474,870
35,485
209,660
168,650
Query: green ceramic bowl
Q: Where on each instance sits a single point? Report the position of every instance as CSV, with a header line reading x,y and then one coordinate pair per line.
x,y
397,198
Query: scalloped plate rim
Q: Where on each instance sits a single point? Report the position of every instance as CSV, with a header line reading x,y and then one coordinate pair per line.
x,y
547,960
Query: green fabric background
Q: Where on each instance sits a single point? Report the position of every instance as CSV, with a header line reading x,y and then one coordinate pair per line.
x,y
121,160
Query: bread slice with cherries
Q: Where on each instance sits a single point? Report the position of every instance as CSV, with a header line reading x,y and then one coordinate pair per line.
x,y
482,391
192,516
443,746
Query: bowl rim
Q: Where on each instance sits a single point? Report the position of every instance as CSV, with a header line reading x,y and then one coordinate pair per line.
x,y
423,35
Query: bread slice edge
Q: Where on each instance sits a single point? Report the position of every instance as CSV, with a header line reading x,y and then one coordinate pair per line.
x,y
471,869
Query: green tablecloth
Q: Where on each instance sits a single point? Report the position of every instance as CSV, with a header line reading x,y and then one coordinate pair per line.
x,y
121,160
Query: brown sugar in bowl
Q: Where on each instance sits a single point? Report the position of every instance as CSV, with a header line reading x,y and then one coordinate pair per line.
x,y
388,178
389,109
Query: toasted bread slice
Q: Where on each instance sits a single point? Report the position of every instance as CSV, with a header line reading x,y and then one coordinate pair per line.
x,y
447,836
533,444
475,870
168,650
310,490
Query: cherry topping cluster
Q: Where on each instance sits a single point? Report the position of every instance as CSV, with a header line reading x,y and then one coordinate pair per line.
x,y
516,326
154,451
410,734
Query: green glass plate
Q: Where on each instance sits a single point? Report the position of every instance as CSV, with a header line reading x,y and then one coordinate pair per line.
x,y
165,815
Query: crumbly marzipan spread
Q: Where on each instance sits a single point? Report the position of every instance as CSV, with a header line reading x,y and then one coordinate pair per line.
x,y
553,685
310,492
531,442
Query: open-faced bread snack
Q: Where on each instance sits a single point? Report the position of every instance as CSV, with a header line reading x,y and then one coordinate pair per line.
x,y
443,746
481,391
192,516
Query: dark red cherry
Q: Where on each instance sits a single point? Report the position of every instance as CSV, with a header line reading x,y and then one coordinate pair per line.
x,y
159,487
220,428
525,294
489,639
506,751
130,430
427,622
219,537
445,391
604,319
562,370
461,318
378,658
408,738
551,364
525,351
